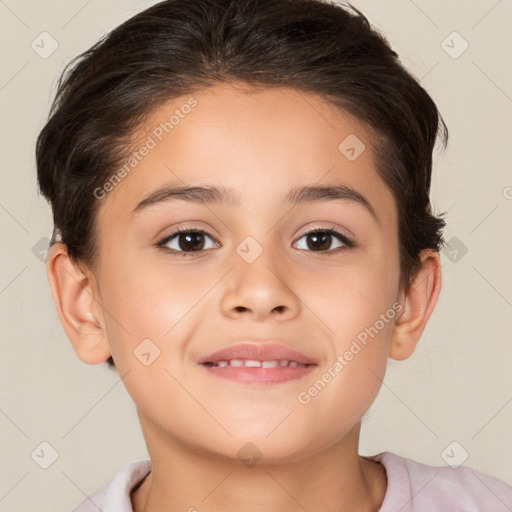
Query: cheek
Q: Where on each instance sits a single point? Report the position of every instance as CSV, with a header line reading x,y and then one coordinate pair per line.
x,y
155,302
358,308
353,297
365,309
353,371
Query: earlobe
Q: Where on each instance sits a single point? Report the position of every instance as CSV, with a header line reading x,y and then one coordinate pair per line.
x,y
77,306
418,302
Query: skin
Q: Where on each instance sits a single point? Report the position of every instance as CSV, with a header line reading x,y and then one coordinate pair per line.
x,y
262,144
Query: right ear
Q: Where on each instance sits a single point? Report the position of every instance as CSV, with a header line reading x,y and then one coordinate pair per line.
x,y
77,302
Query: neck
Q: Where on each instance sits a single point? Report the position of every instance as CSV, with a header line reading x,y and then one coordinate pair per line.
x,y
336,478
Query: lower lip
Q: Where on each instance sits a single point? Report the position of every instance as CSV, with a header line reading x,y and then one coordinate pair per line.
x,y
258,375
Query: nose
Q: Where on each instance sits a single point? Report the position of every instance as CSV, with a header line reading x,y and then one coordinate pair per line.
x,y
260,290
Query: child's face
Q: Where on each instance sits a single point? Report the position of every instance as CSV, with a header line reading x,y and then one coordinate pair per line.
x,y
261,145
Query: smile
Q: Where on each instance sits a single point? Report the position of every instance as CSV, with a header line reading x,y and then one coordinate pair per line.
x,y
255,372
258,363
254,363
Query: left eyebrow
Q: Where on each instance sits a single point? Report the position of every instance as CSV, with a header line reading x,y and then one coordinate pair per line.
x,y
222,194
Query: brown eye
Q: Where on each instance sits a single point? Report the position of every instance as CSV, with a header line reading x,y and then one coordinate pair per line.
x,y
192,241
320,240
187,241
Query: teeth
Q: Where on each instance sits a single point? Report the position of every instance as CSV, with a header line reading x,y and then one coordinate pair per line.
x,y
254,363
269,364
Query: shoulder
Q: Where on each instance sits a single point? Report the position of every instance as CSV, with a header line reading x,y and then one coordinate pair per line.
x,y
115,495
417,487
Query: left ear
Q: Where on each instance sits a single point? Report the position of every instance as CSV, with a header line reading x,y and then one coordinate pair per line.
x,y
418,302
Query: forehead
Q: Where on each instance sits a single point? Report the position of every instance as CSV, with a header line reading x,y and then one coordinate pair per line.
x,y
262,142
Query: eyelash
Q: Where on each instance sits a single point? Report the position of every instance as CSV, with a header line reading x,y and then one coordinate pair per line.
x,y
348,243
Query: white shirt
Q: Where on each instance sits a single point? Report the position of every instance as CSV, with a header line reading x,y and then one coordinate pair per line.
x,y
412,487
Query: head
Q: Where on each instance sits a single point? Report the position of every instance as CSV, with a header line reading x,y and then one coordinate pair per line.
x,y
261,97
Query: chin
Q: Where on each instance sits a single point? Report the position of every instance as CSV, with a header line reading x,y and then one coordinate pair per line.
x,y
270,449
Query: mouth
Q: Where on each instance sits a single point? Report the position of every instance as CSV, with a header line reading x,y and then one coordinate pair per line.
x,y
258,363
255,363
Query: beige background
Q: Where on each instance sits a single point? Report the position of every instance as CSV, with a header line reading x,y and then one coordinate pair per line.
x,y
456,387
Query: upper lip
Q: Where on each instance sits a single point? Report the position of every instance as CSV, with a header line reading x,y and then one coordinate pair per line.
x,y
257,351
